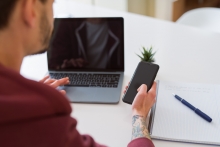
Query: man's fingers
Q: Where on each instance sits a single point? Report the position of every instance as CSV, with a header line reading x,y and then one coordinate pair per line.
x,y
60,82
49,81
44,79
141,94
126,88
152,91
142,88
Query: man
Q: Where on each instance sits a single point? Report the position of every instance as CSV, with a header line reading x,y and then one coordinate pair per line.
x,y
33,114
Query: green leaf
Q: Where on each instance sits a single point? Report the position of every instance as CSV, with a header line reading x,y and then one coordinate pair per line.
x,y
147,54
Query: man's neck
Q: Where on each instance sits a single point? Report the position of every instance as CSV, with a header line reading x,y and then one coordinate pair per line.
x,y
11,54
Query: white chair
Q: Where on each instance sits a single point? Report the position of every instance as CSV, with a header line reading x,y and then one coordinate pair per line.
x,y
205,18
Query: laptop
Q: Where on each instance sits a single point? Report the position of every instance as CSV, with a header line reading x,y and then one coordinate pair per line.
x,y
90,51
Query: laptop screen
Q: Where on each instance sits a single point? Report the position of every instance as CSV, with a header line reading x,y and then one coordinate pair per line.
x,y
87,44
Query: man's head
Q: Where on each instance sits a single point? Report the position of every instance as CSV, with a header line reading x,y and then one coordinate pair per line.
x,y
28,21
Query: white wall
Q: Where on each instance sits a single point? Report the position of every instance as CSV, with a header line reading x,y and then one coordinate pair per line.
x,y
84,1
163,8
114,4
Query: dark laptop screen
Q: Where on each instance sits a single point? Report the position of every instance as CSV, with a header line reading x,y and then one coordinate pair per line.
x,y
87,44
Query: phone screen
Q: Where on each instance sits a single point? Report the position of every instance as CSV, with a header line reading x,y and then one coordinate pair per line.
x,y
145,73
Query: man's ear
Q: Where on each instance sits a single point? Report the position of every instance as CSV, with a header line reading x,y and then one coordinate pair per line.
x,y
29,13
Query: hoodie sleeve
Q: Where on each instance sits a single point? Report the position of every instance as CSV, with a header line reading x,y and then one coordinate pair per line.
x,y
54,131
141,142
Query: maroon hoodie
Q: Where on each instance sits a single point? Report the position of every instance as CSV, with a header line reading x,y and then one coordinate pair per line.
x,y
35,115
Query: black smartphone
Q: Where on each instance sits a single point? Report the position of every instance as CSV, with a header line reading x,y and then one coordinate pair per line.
x,y
145,73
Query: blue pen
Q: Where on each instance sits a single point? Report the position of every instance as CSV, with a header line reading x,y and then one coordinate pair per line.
x,y
196,110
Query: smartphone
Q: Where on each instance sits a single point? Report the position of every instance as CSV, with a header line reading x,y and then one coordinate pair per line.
x,y
145,73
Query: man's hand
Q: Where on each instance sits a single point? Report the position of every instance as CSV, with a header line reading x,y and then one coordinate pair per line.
x,y
55,83
143,100
140,108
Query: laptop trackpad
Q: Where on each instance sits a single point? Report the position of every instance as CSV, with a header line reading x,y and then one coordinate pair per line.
x,y
82,94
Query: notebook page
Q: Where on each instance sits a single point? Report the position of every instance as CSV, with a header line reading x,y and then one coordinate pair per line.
x,y
174,121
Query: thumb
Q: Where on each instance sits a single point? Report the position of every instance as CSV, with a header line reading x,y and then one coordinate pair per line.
x,y
139,97
44,79
142,88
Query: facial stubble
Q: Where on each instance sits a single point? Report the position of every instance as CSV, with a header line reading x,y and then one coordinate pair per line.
x,y
45,33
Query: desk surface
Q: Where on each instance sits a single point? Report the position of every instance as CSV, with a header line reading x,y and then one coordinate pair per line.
x,y
184,54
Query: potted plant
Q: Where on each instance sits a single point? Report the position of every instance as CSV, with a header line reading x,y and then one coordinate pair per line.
x,y
147,55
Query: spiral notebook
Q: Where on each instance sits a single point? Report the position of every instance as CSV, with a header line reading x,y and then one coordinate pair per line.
x,y
171,120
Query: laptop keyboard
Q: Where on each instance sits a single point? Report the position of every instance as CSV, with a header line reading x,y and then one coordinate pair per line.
x,y
89,80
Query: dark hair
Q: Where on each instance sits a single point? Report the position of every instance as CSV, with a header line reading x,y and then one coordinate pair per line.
x,y
6,9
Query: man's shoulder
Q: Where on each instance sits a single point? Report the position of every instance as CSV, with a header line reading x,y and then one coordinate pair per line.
x,y
26,99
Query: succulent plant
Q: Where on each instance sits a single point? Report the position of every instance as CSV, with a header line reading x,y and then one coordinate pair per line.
x,y
147,55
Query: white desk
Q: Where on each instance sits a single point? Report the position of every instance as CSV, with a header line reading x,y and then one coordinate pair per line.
x,y
184,54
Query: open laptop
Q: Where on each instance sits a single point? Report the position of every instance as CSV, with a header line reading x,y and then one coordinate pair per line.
x,y
90,51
